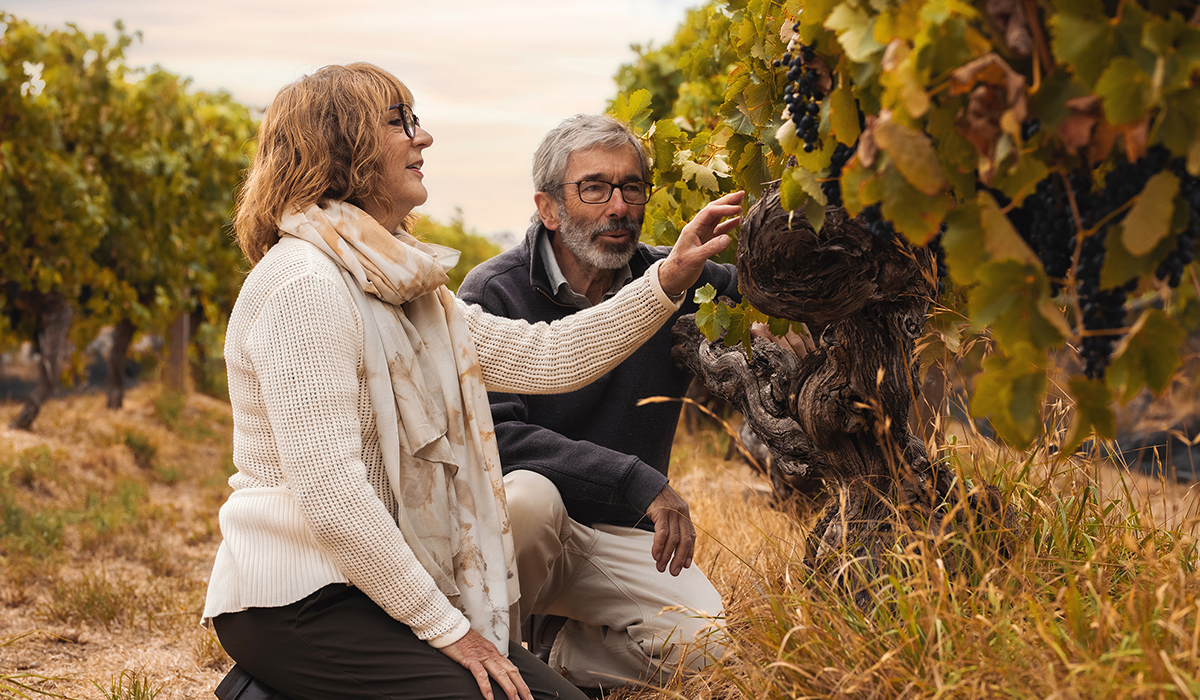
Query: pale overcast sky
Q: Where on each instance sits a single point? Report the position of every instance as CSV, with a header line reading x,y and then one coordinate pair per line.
x,y
489,77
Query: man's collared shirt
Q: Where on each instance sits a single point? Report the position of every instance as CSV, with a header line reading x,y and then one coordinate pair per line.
x,y
562,289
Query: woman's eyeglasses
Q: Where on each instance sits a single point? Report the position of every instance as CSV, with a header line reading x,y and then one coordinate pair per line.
x,y
408,120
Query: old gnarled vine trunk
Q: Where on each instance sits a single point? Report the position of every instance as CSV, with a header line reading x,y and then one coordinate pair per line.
x,y
839,415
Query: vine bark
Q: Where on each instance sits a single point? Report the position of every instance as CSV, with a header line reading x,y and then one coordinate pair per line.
x,y
838,416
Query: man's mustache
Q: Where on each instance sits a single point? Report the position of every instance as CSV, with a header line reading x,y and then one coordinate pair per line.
x,y
623,224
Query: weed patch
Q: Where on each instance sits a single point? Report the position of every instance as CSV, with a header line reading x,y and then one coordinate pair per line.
x,y
129,685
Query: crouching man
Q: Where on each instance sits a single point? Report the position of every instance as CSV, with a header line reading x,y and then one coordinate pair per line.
x,y
604,543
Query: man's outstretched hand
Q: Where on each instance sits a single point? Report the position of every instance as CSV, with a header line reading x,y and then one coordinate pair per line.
x,y
703,237
674,535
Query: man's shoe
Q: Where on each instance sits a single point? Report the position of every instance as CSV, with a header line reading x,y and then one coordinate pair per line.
x,y
239,685
542,631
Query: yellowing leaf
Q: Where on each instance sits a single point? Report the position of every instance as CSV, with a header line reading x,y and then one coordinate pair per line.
x,y
791,194
1149,220
963,242
913,213
1000,238
815,211
1010,300
1147,356
632,109
1124,89
808,181
843,113
704,176
1009,393
855,30
1093,412
913,154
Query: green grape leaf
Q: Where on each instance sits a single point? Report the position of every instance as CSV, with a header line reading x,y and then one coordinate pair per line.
x,y
1083,40
702,175
1019,181
912,153
1179,123
1009,393
843,113
963,243
1149,220
856,31
632,109
705,294
815,211
1050,101
913,213
959,158
1125,90
741,317
1147,356
1093,412
1013,299
712,318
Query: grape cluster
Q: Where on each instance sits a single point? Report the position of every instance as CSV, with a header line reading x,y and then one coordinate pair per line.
x,y
877,226
832,185
1104,309
803,95
1047,224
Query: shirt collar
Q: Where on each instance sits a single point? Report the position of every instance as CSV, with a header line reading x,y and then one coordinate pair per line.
x,y
558,283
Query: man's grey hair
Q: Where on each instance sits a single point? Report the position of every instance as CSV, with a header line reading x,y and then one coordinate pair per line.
x,y
581,132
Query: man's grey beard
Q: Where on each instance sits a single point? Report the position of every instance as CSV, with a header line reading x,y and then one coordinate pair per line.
x,y
583,244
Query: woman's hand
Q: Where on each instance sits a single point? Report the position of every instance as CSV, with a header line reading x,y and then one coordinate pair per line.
x,y
484,661
703,237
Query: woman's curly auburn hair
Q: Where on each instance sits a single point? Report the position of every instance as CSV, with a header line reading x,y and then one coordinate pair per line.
x,y
321,138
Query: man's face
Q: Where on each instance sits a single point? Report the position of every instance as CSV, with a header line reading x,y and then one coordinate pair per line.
x,y
602,236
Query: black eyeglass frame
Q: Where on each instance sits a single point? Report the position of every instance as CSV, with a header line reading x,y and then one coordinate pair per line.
x,y
612,187
408,119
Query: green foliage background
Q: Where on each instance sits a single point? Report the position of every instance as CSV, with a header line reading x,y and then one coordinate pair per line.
x,y
116,190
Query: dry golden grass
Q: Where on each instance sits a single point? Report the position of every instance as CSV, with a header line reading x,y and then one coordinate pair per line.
x,y
107,537
108,530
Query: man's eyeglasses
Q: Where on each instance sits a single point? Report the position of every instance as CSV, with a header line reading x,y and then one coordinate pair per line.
x,y
599,191
408,120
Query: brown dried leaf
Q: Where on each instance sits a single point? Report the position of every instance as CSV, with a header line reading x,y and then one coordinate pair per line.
x,y
996,105
1135,135
1008,17
1076,130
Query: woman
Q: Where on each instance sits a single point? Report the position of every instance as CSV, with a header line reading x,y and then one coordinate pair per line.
x,y
366,546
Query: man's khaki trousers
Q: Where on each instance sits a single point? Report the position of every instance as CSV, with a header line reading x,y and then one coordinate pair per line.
x,y
627,622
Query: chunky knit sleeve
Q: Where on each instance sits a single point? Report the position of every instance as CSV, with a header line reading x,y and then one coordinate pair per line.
x,y
550,358
305,348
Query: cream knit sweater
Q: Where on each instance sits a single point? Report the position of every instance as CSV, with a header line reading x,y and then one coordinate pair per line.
x,y
311,504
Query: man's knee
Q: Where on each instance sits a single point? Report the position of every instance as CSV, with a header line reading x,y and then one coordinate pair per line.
x,y
534,504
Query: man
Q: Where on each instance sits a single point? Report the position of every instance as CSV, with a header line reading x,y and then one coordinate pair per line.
x,y
602,538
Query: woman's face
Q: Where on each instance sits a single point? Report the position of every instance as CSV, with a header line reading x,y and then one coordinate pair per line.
x,y
403,186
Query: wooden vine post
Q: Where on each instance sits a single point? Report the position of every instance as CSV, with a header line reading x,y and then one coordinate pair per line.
x,y
839,415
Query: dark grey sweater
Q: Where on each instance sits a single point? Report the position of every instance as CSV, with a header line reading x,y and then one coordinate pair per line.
x,y
607,455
